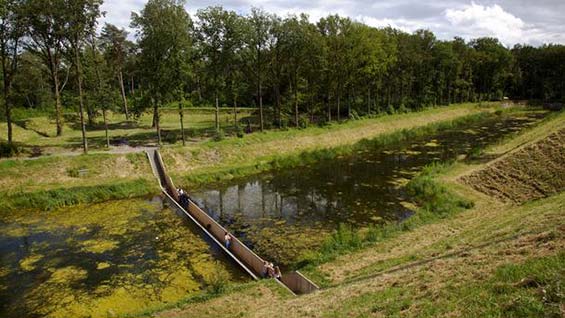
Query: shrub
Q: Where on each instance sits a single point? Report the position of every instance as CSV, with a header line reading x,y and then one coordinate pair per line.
x,y
239,132
8,150
434,197
77,172
217,280
354,115
390,109
171,137
219,135
345,238
402,109
303,122
476,152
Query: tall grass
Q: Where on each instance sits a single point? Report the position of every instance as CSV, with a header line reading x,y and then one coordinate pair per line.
x,y
57,198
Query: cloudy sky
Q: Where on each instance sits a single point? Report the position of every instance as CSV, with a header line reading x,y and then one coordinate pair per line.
x,y
511,21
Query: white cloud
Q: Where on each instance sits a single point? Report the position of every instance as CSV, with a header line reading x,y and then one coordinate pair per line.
x,y
477,20
402,24
119,12
511,21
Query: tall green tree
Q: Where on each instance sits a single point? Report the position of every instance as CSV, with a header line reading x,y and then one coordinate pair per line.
x,y
81,17
116,45
335,31
45,26
295,45
220,39
491,67
163,29
259,23
98,75
11,37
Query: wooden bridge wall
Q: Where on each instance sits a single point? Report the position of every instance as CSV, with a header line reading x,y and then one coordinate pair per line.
x,y
243,255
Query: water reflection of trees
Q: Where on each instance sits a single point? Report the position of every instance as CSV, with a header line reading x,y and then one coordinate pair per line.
x,y
354,189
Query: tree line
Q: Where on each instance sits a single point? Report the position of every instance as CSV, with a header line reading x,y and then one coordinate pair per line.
x,y
293,71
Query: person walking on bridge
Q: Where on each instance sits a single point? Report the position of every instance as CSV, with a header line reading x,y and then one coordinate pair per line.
x,y
227,240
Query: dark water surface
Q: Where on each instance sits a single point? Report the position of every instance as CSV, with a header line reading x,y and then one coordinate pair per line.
x,y
102,260
282,213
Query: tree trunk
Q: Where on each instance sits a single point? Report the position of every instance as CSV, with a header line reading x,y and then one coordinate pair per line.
x,y
235,111
123,92
199,88
81,104
8,112
295,98
181,115
98,90
279,110
329,108
217,112
260,108
90,114
7,85
259,89
369,101
106,128
58,111
132,86
338,105
156,120
349,104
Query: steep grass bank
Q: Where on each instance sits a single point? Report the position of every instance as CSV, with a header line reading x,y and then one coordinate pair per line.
x,y
534,172
62,197
51,182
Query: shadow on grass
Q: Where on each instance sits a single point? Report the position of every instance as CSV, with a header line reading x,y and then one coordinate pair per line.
x,y
99,126
24,125
168,136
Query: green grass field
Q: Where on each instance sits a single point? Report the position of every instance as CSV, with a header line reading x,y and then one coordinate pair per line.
x,y
38,129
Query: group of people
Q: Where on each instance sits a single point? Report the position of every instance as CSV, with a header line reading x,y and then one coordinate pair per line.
x,y
271,271
183,197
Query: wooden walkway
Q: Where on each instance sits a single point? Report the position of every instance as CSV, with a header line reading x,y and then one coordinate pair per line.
x,y
250,262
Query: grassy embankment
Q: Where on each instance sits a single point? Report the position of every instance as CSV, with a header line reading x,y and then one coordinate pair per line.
x,y
493,260
55,181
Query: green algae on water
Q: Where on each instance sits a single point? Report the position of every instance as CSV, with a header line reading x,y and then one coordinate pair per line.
x,y
102,260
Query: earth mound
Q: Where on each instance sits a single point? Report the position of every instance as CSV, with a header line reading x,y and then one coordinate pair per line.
x,y
534,172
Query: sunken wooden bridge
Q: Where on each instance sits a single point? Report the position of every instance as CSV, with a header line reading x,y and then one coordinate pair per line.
x,y
250,262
